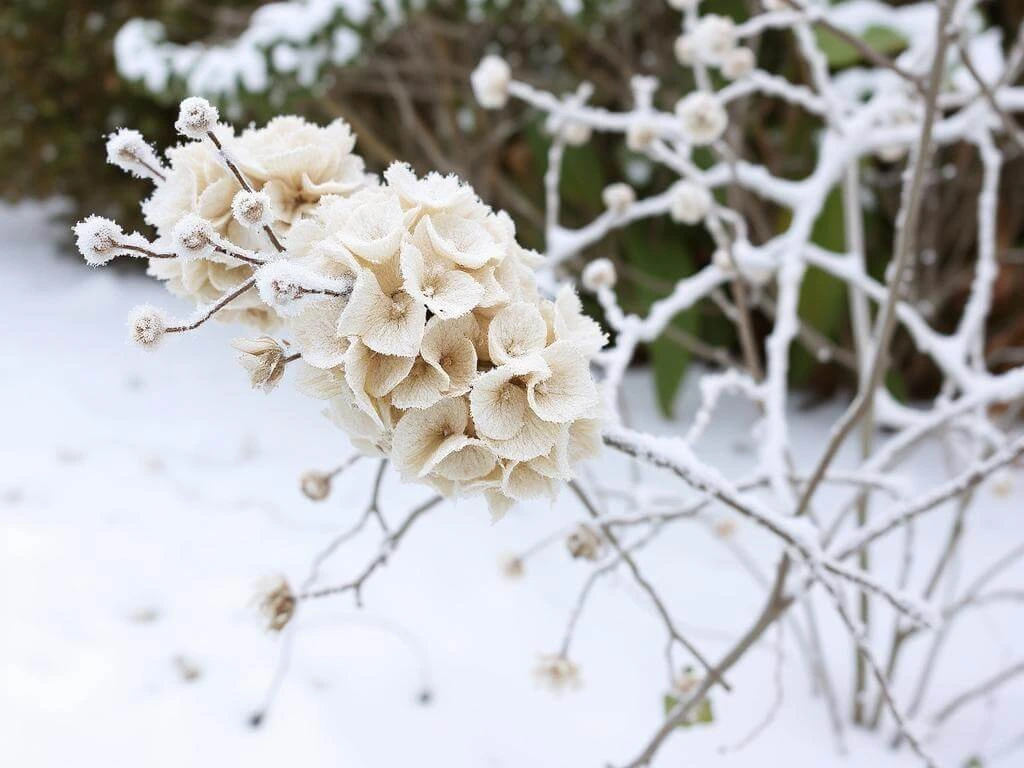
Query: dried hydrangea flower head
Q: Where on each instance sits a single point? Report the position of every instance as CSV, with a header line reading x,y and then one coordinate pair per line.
x,y
407,303
445,356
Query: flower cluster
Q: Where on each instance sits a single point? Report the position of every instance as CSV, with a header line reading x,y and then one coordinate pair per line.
x,y
432,343
290,165
406,302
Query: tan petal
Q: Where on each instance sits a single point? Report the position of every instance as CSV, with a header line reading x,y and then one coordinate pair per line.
x,y
521,482
447,292
425,437
371,374
516,331
470,462
391,325
567,391
315,332
535,438
448,347
572,325
464,241
498,403
423,387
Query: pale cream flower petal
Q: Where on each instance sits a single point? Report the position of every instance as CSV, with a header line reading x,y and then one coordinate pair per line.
x,y
470,462
516,331
392,325
425,437
567,390
556,462
446,291
319,383
498,403
448,347
371,374
370,434
535,438
374,230
315,333
521,482
572,325
585,440
423,387
498,504
464,241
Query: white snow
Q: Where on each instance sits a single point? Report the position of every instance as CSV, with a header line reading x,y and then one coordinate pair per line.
x,y
143,496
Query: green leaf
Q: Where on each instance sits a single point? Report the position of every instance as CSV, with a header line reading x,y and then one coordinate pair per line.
x,y
703,715
822,302
667,258
841,54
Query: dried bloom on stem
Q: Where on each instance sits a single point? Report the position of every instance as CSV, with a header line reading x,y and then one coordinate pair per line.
x,y
714,37
618,197
689,203
264,359
557,673
193,238
585,543
147,326
703,118
315,486
490,81
253,209
98,240
684,50
196,118
598,274
277,604
129,151
737,63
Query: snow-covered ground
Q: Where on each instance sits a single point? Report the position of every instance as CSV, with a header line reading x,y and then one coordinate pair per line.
x,y
144,496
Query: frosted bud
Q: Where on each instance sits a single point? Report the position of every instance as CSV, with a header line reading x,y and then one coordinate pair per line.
x,y
683,5
146,326
287,286
98,239
684,50
689,203
263,358
557,673
585,543
575,134
316,486
737,63
490,81
641,134
129,151
193,238
703,117
511,566
277,604
600,273
618,197
721,259
196,117
252,209
713,37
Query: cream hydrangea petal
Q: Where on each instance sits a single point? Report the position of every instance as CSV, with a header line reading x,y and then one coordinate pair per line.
x,y
448,347
447,292
522,482
498,504
315,332
374,230
494,294
470,462
370,434
498,404
423,387
556,462
572,325
391,325
425,437
319,383
432,192
585,440
516,331
371,374
535,438
464,241
567,390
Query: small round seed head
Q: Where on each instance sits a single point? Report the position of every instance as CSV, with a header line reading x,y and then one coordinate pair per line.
x,y
196,117
576,134
598,274
252,209
557,673
147,326
512,566
703,118
641,134
98,239
684,50
277,604
316,486
129,151
737,63
193,238
585,543
723,260
618,197
490,81
689,203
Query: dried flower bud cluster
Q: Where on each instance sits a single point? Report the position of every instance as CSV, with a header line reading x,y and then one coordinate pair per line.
x,y
410,304
490,81
689,202
277,604
129,151
557,673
